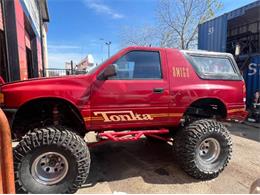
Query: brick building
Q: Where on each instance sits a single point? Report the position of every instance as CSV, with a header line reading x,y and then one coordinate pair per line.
x,y
23,29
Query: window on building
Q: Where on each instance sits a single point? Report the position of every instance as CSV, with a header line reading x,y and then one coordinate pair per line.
x,y
139,65
252,27
242,29
234,31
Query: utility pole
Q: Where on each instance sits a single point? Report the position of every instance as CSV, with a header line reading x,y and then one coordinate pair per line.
x,y
102,46
108,48
71,66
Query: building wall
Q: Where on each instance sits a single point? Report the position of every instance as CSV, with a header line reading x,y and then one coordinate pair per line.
x,y
3,56
22,37
39,55
45,47
20,29
1,18
213,34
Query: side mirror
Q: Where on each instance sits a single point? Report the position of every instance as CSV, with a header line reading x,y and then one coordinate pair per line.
x,y
110,71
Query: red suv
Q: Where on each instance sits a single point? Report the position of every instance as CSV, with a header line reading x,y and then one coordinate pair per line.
x,y
160,93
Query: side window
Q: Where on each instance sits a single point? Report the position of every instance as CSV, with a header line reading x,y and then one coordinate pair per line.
x,y
139,65
213,65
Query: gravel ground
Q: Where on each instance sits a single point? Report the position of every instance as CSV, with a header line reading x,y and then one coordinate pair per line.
x,y
145,167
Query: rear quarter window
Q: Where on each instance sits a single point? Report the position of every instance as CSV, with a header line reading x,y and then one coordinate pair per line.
x,y
214,67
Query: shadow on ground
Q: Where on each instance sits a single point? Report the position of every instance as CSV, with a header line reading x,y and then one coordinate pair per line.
x,y
154,162
246,130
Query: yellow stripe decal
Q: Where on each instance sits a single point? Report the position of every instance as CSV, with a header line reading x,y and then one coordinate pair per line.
x,y
236,110
158,115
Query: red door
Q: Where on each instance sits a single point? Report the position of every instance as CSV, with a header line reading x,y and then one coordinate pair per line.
x,y
137,97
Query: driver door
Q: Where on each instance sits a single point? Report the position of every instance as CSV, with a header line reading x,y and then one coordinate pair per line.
x,y
138,96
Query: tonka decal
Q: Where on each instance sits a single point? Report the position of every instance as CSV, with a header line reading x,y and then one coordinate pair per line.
x,y
118,116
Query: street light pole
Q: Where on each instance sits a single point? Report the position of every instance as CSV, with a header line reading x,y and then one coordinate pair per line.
x,y
108,48
102,46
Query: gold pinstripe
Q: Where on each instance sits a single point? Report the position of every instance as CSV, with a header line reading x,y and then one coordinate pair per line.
x,y
236,110
159,115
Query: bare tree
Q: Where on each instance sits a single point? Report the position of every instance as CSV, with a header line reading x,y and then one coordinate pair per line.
x,y
177,24
180,20
138,36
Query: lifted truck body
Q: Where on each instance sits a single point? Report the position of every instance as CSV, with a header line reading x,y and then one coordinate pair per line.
x,y
159,93
130,104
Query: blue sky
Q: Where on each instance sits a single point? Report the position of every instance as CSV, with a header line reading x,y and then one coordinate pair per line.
x,y
76,26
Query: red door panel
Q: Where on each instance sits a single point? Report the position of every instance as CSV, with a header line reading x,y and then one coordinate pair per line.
x,y
130,103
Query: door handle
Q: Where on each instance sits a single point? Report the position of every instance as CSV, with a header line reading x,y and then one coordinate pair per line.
x,y
158,90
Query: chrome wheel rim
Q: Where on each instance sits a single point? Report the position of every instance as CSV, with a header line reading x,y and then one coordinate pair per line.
x,y
49,168
209,150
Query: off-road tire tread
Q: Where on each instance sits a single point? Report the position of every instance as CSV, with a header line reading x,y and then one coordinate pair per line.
x,y
61,136
186,140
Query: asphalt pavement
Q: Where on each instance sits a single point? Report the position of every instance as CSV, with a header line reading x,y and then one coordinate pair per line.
x,y
147,167
246,130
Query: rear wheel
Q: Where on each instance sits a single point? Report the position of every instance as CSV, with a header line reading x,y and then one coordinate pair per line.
x,y
203,149
51,160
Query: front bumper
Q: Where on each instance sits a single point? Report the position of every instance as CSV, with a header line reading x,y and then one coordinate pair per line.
x,y
10,114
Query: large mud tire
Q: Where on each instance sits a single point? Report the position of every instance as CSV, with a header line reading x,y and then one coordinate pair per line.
x,y
53,148
203,149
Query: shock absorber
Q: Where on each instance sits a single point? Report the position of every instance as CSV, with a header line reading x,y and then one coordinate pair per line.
x,y
55,115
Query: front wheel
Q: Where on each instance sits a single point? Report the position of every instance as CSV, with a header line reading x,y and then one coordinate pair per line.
x,y
51,160
203,148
